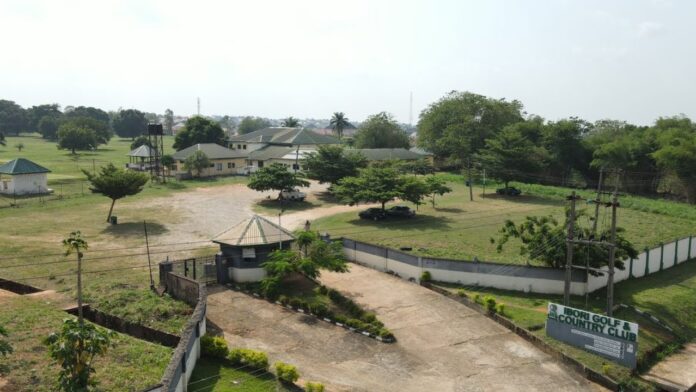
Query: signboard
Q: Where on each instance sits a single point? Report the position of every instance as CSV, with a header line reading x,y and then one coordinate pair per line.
x,y
611,338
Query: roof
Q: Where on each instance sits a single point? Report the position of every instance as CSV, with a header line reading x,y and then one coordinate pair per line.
x,y
270,152
256,230
143,151
282,135
211,150
22,166
382,154
421,151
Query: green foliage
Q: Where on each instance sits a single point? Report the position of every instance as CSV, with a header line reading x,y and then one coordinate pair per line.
x,y
426,277
275,177
5,347
141,140
13,118
338,123
214,346
250,358
116,183
35,114
500,309
290,122
489,303
373,184
251,124
197,162
381,131
329,164
436,186
677,151
102,131
48,127
168,122
19,146
87,111
199,130
130,123
76,138
286,372
73,349
461,293
314,387
414,190
420,166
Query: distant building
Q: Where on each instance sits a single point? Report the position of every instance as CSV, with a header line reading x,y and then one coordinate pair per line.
x,y
223,161
139,159
348,131
388,154
22,177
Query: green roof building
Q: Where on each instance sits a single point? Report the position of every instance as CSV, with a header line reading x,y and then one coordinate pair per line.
x,y
22,177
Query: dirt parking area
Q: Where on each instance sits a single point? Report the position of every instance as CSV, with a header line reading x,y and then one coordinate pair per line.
x,y
442,345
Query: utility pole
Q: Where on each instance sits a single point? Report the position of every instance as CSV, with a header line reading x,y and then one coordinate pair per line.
x,y
471,191
149,265
484,182
612,254
198,102
597,202
79,287
570,241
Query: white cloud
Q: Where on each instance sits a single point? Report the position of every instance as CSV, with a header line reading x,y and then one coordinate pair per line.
x,y
650,29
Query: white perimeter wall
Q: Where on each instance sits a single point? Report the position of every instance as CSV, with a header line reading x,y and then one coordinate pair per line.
x,y
191,358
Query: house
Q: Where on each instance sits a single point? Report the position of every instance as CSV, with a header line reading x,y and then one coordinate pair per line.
x,y
139,159
386,154
223,161
348,131
246,246
22,177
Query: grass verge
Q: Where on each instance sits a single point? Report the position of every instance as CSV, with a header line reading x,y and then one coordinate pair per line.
x,y
215,375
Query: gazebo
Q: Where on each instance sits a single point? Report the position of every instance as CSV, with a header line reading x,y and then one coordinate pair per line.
x,y
244,247
139,159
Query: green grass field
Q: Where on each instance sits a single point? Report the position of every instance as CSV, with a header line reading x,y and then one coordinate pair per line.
x,y
29,369
212,375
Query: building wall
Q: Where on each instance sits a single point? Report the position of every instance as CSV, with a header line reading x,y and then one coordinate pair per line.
x,y
240,269
23,184
219,167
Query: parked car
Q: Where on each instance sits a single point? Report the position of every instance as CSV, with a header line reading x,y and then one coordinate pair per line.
x,y
509,191
293,195
373,214
401,211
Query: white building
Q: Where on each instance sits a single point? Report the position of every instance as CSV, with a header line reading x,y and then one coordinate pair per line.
x,y
22,177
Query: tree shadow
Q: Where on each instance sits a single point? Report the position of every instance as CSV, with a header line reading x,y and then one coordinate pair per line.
x,y
452,210
524,199
134,229
327,197
416,223
274,205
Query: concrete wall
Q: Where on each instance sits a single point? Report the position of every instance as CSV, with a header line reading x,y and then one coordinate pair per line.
x,y
514,277
23,184
236,163
246,274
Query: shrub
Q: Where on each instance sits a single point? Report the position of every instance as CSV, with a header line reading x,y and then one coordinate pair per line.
x,y
489,302
314,387
336,297
353,309
247,357
368,317
295,303
214,346
286,372
323,290
426,277
283,299
461,293
355,323
477,298
341,319
500,308
319,309
385,334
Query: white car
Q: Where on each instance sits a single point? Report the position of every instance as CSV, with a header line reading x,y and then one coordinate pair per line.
x,y
293,195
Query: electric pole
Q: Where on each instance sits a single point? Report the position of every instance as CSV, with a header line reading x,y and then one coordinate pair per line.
x,y
570,241
149,265
612,255
79,287
471,191
597,201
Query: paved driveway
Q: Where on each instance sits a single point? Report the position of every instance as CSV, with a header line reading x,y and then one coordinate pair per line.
x,y
442,345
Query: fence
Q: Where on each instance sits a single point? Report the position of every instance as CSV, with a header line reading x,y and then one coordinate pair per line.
x,y
543,280
200,269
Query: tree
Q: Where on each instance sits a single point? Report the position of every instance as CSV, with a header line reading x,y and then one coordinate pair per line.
x,y
167,161
543,239
420,166
436,186
74,348
329,164
5,347
564,141
414,190
677,151
374,184
88,111
130,123
509,155
13,118
199,130
48,127
76,244
251,124
197,162
141,140
19,146
168,121
291,122
457,126
338,123
116,183
102,131
36,113
76,138
2,139
381,131
276,177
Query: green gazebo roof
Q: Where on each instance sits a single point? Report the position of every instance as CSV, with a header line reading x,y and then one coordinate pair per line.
x,y
22,166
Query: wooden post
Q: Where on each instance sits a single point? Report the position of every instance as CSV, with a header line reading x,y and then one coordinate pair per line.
x,y
471,191
569,251
612,255
149,265
79,287
599,196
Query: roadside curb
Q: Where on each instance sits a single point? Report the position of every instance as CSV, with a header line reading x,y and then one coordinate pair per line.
x,y
307,313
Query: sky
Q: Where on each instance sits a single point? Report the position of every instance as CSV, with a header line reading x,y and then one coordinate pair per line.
x,y
631,60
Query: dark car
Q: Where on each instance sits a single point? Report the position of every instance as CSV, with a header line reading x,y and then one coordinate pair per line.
x,y
373,214
509,191
401,211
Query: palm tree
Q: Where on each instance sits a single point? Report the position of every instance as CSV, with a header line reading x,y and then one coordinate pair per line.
x,y
338,122
75,244
291,122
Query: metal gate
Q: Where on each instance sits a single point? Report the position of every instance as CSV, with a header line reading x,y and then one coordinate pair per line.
x,y
201,269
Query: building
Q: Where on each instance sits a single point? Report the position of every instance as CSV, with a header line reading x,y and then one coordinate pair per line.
x,y
22,177
223,161
388,154
244,247
348,131
139,159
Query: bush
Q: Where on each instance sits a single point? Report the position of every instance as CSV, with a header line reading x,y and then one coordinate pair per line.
x,y
283,299
314,387
286,372
214,346
355,323
341,319
319,309
489,302
368,317
426,277
500,308
295,303
323,290
461,293
477,298
247,357
385,334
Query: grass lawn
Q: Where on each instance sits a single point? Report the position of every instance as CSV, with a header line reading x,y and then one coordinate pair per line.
x,y
670,295
314,200
212,375
29,368
461,229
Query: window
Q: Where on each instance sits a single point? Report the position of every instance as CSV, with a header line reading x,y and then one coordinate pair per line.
x,y
218,166
244,147
260,163
212,165
239,146
234,165
249,254
229,165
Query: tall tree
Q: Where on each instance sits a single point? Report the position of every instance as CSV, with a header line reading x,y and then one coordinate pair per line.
x,y
130,123
76,138
374,184
36,113
199,130
13,118
88,111
381,131
168,121
276,177
437,187
197,162
291,122
509,155
251,124
331,163
677,151
457,126
338,123
48,127
101,130
140,141
116,183
568,151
